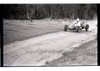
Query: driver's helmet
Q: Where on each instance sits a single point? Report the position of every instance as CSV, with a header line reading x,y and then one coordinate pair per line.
x,y
77,19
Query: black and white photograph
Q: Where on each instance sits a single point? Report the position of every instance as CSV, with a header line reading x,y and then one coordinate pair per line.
x,y
50,35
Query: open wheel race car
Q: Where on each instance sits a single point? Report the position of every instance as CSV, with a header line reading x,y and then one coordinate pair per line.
x,y
77,28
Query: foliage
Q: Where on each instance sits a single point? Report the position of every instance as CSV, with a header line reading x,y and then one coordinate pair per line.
x,y
53,11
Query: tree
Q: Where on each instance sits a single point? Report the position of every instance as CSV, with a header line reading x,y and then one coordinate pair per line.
x,y
53,11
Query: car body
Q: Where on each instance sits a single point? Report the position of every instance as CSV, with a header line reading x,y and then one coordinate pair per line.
x,y
77,28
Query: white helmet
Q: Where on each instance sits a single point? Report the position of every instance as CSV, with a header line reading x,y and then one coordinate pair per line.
x,y
77,19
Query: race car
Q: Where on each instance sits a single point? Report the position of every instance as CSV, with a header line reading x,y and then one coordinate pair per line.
x,y
77,28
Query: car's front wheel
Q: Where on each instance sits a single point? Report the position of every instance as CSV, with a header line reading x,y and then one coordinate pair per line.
x,y
65,28
78,28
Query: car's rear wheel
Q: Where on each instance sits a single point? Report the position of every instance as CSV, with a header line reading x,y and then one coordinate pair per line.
x,y
87,27
65,28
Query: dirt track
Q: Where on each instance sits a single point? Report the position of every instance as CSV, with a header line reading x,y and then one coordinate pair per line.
x,y
40,50
85,54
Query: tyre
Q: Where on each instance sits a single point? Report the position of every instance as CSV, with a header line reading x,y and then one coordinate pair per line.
x,y
78,29
65,28
86,27
82,26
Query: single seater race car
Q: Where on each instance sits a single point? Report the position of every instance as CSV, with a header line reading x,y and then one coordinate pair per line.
x,y
77,28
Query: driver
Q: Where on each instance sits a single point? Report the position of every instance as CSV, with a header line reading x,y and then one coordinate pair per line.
x,y
76,23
